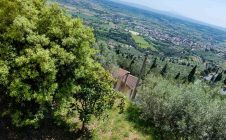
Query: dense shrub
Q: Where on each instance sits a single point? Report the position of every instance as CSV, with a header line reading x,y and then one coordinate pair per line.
x,y
192,111
47,68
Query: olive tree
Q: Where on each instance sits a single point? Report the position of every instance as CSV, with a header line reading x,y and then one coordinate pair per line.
x,y
194,111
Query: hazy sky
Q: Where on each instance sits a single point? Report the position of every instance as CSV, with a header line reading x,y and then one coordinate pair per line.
x,y
209,11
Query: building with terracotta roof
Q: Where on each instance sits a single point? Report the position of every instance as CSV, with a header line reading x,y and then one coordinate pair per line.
x,y
126,82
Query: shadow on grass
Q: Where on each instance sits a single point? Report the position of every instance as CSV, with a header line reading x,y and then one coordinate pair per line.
x,y
133,115
47,131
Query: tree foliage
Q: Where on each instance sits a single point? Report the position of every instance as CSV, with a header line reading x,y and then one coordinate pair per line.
x,y
194,111
177,76
191,76
47,67
164,70
106,56
219,77
153,65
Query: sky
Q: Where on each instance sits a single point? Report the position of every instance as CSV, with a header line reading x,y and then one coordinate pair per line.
x,y
208,11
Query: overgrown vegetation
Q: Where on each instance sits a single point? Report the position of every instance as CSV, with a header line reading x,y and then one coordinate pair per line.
x,y
187,111
121,125
55,75
47,67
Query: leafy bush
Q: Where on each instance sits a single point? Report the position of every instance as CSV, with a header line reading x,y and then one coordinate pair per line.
x,y
47,68
193,111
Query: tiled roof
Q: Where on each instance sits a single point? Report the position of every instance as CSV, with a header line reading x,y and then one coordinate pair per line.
x,y
120,73
131,80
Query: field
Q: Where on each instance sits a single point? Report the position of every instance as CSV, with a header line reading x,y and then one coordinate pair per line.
x,y
134,33
142,43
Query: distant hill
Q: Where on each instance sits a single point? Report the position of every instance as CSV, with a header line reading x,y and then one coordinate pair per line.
x,y
168,13
170,34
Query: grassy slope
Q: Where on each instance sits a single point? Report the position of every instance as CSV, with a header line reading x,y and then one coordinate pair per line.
x,y
114,127
117,127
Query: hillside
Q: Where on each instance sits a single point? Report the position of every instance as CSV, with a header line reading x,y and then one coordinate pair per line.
x,y
96,69
167,34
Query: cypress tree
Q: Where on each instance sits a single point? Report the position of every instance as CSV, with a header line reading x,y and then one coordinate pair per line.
x,y
177,76
191,76
154,65
219,77
164,70
212,78
131,63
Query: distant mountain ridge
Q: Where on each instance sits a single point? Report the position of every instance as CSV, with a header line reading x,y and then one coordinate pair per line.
x,y
169,33
168,13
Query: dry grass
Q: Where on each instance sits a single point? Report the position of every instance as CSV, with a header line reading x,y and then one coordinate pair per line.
x,y
117,127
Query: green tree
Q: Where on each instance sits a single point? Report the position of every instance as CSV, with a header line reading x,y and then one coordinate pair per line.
x,y
191,76
106,56
154,65
47,66
132,62
164,70
212,78
177,76
219,77
181,111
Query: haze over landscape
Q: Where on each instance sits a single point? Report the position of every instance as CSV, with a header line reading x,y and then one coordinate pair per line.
x,y
112,69
208,11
